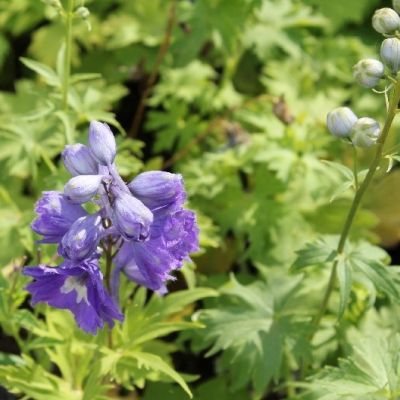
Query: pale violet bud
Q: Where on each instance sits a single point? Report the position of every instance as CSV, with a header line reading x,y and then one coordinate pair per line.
x,y
159,190
385,20
102,143
365,132
396,5
82,12
131,217
368,72
82,238
82,188
340,121
78,160
390,53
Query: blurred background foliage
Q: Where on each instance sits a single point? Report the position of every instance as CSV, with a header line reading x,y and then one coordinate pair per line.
x,y
233,94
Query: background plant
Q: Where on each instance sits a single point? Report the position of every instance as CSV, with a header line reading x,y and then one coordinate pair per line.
x,y
233,95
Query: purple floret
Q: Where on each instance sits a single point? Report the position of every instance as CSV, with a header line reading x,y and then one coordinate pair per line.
x,y
171,240
77,287
55,215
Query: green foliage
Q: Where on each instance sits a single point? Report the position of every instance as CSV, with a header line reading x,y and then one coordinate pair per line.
x,y
238,102
370,373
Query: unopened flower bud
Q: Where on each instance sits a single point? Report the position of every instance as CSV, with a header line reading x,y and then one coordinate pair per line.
x,y
82,238
390,53
368,72
78,160
386,20
82,188
102,143
82,12
396,5
131,217
365,132
159,190
340,121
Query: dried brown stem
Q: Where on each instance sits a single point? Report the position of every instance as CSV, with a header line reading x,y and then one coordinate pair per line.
x,y
154,73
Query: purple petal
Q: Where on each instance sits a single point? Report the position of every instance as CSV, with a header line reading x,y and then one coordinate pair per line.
x,y
55,215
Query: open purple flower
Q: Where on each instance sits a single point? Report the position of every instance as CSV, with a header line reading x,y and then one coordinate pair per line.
x,y
76,287
55,215
150,263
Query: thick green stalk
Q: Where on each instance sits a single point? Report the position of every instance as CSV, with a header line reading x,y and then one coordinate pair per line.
x,y
67,60
391,113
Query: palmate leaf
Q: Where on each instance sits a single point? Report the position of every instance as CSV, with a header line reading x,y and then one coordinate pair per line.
x,y
372,372
246,327
321,251
45,72
139,353
360,262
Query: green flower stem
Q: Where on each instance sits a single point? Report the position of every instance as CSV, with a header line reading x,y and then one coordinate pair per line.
x,y
355,166
68,45
391,113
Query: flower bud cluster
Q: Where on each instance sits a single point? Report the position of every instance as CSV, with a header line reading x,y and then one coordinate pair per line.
x,y
141,225
368,72
362,132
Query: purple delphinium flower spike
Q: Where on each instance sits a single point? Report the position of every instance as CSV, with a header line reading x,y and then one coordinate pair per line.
x,y
82,238
82,188
159,190
102,143
146,217
77,287
78,160
131,217
55,215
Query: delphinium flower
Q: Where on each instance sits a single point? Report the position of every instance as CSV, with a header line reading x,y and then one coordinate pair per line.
x,y
141,226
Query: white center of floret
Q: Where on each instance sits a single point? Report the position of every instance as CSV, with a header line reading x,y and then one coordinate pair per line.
x,y
73,283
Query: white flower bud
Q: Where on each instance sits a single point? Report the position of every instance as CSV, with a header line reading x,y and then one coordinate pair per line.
x,y
365,132
386,20
82,12
340,121
396,5
390,53
368,72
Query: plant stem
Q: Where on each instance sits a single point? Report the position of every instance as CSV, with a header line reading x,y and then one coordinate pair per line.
x,y
355,166
67,60
391,113
107,276
108,254
153,75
